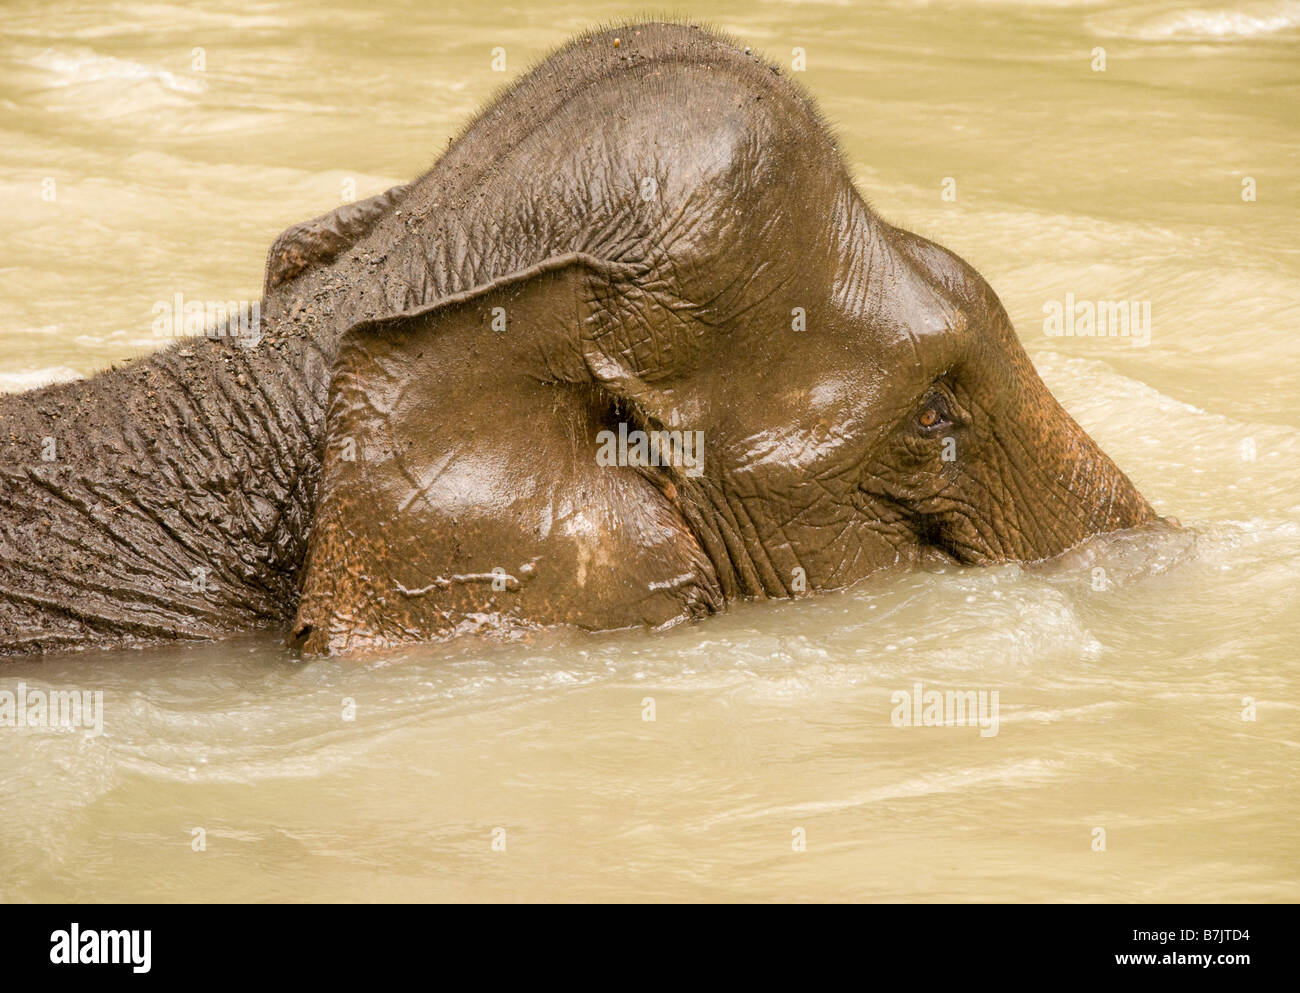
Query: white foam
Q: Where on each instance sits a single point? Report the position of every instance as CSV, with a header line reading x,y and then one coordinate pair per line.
x,y
87,67
16,382
1250,20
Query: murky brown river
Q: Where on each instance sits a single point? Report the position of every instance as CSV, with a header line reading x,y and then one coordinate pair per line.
x,y
1148,716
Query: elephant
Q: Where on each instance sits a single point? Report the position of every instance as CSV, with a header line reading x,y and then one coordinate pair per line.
x,y
633,348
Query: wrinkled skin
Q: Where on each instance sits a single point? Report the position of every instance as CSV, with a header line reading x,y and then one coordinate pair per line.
x,y
660,234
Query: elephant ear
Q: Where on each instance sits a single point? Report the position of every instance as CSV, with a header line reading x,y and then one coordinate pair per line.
x,y
460,485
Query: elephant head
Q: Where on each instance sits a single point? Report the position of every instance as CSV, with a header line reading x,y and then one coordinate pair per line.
x,y
468,480
825,395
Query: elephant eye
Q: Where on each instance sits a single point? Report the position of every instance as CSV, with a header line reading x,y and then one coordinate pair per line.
x,y
935,413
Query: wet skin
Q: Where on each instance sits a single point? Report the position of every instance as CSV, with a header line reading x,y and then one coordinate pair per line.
x,y
659,234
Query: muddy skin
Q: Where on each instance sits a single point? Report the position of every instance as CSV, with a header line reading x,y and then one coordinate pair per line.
x,y
658,234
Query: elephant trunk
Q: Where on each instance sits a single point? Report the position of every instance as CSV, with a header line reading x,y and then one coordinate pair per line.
x,y
1052,488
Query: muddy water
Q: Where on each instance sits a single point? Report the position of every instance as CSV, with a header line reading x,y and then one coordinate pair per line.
x,y
1149,709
